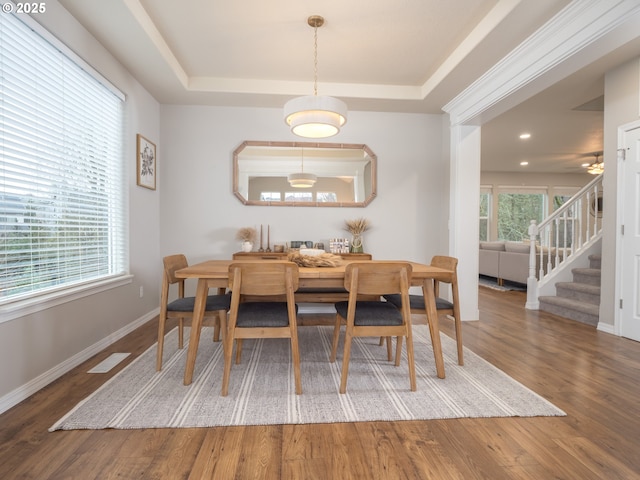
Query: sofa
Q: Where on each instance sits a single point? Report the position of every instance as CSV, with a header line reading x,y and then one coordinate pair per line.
x,y
505,261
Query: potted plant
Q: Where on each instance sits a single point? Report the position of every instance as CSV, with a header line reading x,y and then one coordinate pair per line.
x,y
247,235
356,228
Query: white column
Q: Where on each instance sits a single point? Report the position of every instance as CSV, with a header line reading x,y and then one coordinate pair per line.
x,y
464,229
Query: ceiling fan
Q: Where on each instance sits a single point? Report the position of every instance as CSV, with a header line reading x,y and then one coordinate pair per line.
x,y
597,167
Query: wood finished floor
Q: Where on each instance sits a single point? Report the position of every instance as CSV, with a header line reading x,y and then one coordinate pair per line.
x,y
593,376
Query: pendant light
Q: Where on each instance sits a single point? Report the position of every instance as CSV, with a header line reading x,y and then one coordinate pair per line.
x,y
302,179
315,116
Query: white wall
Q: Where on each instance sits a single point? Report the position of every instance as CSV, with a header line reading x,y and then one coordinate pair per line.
x,y
200,215
622,103
36,348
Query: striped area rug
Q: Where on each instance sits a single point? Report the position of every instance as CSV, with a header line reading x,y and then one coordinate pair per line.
x,y
262,392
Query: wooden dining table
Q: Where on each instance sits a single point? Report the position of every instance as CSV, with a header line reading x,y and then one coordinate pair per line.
x,y
215,274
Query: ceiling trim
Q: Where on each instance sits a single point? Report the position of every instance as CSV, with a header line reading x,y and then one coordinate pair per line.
x,y
490,22
142,17
577,26
496,16
289,88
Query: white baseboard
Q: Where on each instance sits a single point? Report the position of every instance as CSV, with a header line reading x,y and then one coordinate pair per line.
x,y
25,391
607,328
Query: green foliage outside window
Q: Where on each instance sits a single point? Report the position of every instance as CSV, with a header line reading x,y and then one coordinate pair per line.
x,y
515,212
484,216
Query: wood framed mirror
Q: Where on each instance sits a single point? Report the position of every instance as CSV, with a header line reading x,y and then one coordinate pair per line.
x,y
339,174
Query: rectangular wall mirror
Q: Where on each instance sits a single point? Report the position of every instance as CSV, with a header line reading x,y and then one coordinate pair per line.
x,y
304,174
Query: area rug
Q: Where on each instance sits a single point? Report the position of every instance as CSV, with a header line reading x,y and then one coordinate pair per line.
x,y
261,388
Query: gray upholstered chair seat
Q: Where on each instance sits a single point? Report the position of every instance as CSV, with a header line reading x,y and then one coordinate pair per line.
x,y
417,302
263,314
214,302
372,313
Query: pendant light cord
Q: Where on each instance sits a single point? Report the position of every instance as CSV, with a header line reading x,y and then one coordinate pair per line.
x,y
315,60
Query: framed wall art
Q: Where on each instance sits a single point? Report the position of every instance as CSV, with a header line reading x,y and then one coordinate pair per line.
x,y
146,162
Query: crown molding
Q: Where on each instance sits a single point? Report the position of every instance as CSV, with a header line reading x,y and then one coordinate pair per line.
x,y
579,34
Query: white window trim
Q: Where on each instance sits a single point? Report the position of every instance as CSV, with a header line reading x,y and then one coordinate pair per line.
x,y
37,303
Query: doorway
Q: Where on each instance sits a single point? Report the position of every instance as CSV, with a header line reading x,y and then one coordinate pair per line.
x,y
629,195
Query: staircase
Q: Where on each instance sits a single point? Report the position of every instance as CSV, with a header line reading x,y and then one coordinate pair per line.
x,y
568,238
580,299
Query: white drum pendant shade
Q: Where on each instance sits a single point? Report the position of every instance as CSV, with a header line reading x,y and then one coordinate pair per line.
x,y
302,180
315,116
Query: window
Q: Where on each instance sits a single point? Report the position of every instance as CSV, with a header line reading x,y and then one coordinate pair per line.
x,y
324,197
269,196
62,199
516,209
298,197
485,213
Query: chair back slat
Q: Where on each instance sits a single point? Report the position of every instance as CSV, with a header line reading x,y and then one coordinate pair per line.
x,y
377,278
263,278
173,263
448,263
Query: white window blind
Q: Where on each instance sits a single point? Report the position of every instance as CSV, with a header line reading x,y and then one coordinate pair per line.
x,y
62,215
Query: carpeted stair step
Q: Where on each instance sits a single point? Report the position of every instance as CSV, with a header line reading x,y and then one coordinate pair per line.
x,y
595,261
590,276
573,309
579,291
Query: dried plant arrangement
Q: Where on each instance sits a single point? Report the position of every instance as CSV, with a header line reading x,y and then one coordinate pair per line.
x,y
247,234
357,226
323,260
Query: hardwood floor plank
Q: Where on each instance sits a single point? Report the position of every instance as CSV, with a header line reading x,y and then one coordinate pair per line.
x,y
593,376
261,453
176,457
430,458
389,459
596,459
219,454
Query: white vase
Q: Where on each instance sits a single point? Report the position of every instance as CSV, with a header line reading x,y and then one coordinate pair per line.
x,y
247,246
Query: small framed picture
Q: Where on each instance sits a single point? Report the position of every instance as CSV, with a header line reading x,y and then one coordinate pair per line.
x,y
147,162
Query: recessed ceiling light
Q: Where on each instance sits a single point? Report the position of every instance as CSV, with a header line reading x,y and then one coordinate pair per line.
x,y
585,165
524,164
524,136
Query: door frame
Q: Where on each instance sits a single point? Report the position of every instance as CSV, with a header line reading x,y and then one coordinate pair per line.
x,y
620,212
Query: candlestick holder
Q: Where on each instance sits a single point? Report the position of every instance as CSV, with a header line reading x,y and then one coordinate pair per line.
x,y
261,249
268,238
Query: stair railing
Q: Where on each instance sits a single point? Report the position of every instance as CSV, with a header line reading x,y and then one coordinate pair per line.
x,y
569,230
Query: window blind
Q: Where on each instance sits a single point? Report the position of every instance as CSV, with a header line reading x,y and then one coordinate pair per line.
x,y
62,209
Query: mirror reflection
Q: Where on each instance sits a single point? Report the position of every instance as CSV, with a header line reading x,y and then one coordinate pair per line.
x,y
304,174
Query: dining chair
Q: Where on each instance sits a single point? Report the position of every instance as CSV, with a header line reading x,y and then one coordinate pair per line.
x,y
364,318
182,307
267,318
443,306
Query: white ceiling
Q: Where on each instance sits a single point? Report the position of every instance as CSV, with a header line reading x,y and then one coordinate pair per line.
x,y
376,55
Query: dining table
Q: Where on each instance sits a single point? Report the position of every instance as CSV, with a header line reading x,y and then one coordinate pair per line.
x,y
215,274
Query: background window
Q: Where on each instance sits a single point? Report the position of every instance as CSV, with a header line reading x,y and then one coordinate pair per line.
x,y
298,196
270,196
62,219
485,210
326,197
515,212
